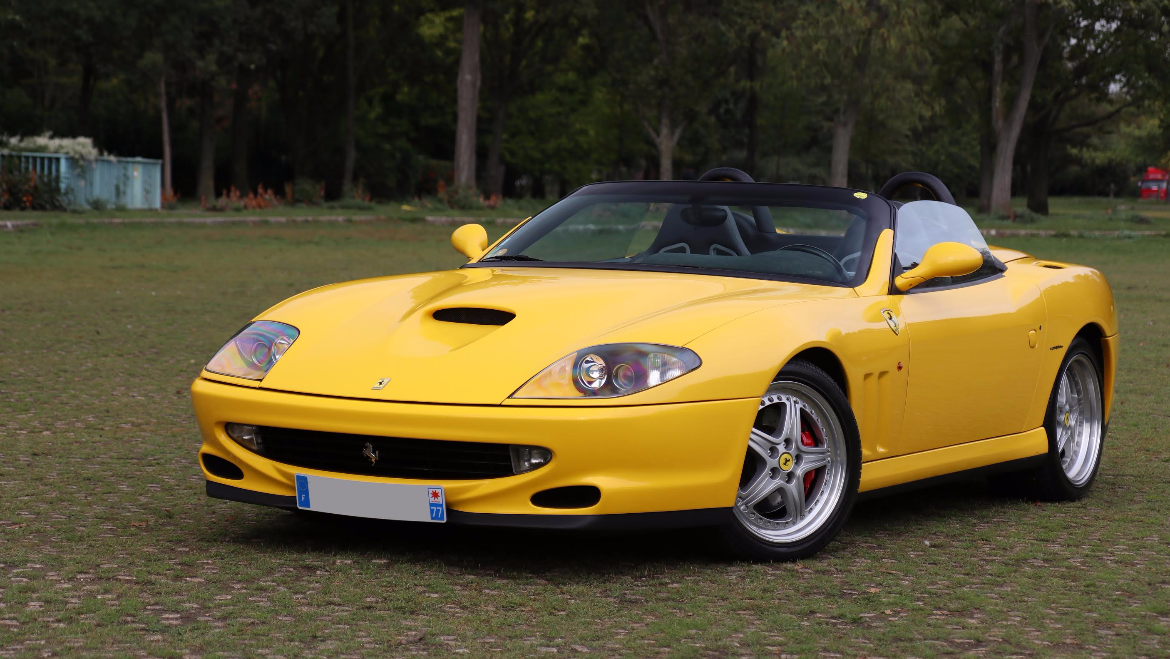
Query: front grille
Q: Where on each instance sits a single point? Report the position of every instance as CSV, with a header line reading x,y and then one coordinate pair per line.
x,y
398,457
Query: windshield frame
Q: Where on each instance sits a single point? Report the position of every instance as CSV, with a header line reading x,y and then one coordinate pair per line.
x,y
879,213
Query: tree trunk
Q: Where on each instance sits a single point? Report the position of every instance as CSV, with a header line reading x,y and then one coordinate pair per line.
x,y
1041,142
167,187
85,98
350,84
1009,132
986,164
842,136
665,139
468,96
665,160
752,110
495,169
239,166
205,184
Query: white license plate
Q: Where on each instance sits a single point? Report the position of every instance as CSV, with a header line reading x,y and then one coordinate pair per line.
x,y
397,501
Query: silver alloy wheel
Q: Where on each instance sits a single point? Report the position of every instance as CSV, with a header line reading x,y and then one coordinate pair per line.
x,y
1078,419
776,501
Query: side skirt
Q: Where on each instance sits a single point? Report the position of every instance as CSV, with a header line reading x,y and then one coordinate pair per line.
x,y
1023,464
904,469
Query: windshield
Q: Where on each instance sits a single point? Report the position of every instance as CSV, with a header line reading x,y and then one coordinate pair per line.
x,y
767,231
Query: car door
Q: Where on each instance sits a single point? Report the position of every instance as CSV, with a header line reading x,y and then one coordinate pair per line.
x,y
973,358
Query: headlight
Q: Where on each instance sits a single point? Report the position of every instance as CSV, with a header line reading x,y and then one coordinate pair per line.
x,y
253,350
606,371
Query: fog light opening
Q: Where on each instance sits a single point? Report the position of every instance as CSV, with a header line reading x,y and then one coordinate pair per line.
x,y
246,436
573,496
217,466
527,458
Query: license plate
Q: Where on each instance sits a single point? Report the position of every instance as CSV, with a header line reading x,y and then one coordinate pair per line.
x,y
396,501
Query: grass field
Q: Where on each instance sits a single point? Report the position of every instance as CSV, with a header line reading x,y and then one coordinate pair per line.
x,y
108,546
1067,213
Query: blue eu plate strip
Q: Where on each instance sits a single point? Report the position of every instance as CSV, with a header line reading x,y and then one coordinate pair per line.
x,y
302,491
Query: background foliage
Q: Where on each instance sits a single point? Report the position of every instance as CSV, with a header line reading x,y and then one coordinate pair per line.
x,y
597,89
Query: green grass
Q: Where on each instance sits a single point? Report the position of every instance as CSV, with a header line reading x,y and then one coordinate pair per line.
x,y
414,209
108,546
1067,213
1125,214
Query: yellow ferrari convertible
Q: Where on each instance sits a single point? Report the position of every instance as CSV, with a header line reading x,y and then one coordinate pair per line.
x,y
718,353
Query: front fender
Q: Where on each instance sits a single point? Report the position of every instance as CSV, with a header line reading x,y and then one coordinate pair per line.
x,y
743,357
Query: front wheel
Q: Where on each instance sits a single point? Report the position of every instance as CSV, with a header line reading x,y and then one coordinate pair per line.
x,y
801,469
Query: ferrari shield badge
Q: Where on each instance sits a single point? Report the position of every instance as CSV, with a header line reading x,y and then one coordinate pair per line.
x,y
380,384
786,461
891,320
370,454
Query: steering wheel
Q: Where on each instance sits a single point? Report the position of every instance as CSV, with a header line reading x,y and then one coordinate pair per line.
x,y
930,183
813,249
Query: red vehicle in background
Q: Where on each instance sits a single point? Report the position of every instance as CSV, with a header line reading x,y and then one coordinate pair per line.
x,y
1154,183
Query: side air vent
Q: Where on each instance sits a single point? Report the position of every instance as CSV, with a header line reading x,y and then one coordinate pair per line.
x,y
1050,266
474,316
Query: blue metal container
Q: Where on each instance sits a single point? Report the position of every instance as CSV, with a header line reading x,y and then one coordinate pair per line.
x,y
118,182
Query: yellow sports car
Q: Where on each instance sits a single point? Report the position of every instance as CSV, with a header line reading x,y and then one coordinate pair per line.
x,y
715,353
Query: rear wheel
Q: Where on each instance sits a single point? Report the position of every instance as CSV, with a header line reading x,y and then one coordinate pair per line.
x,y
1075,424
801,468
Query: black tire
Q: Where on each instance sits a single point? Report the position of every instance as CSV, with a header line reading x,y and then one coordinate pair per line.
x,y
742,542
1049,482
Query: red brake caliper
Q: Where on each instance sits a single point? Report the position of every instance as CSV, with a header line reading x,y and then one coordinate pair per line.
x,y
806,439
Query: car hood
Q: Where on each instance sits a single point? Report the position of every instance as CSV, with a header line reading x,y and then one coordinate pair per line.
x,y
352,335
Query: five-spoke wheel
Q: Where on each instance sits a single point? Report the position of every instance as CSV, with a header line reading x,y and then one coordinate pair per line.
x,y
801,467
1075,424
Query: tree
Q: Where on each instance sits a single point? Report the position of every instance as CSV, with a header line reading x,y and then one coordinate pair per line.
x,y
683,53
861,46
1036,31
468,96
350,93
1103,59
522,40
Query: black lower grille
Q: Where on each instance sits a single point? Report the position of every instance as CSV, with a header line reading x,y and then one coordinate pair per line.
x,y
397,457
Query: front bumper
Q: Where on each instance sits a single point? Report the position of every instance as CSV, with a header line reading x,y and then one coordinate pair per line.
x,y
644,459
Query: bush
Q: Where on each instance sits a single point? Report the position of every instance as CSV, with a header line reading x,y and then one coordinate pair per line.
x,y
463,198
81,148
1022,216
305,191
232,200
351,204
1130,216
1026,216
21,190
170,200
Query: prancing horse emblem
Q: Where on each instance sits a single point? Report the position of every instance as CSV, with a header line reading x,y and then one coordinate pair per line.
x,y
891,320
380,383
370,453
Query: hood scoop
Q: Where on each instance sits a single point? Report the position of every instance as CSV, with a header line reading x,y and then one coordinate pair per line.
x,y
473,316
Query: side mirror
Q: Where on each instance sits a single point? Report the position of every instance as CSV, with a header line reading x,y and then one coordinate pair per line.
x,y
941,260
470,240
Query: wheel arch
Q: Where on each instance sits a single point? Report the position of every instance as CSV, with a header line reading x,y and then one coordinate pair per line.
x,y
826,360
1105,350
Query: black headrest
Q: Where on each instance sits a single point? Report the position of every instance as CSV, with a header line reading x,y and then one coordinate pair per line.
x,y
761,214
